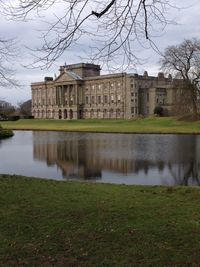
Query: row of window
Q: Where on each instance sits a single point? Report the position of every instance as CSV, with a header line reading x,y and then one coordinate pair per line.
x,y
134,110
102,99
104,86
134,100
135,94
42,91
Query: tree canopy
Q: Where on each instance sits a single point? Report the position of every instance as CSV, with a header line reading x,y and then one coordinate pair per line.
x,y
183,61
113,27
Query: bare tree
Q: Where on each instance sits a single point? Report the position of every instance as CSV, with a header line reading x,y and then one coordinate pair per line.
x,y
8,54
6,108
183,61
25,108
113,26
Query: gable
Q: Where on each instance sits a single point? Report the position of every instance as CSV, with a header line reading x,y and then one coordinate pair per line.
x,y
68,76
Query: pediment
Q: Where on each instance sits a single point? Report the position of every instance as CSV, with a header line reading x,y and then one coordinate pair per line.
x,y
68,77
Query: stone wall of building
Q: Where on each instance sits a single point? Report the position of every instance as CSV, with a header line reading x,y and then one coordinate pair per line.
x,y
80,92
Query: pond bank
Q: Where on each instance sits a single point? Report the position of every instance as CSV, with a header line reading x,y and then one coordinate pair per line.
x,y
167,125
49,223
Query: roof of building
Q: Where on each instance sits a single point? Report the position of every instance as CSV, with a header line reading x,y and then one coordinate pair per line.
x,y
73,75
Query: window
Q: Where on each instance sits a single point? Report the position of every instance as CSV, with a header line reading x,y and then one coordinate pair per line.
x,y
105,99
93,99
147,97
99,99
118,112
118,98
86,100
112,98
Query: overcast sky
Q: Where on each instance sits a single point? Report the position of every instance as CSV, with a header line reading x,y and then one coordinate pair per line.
x,y
27,34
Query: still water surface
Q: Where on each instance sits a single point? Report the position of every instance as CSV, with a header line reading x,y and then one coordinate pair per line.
x,y
114,158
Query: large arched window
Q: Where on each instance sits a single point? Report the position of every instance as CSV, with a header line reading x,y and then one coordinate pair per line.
x,y
60,114
118,113
65,114
71,114
105,114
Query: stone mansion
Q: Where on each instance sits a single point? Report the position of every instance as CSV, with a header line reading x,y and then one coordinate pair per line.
x,y
80,92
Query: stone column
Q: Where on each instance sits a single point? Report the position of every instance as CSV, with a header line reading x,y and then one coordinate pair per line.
x,y
56,95
68,95
62,95
75,94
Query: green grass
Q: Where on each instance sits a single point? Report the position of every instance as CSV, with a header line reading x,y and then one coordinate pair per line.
x,y
49,223
147,125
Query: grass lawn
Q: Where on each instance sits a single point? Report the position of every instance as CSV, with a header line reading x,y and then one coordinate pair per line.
x,y
147,125
49,223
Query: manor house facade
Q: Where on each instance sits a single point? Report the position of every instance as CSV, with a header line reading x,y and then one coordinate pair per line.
x,y
80,92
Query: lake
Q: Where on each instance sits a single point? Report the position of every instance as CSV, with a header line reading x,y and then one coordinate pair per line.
x,y
145,159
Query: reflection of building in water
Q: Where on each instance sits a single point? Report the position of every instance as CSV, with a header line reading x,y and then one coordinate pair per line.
x,y
82,155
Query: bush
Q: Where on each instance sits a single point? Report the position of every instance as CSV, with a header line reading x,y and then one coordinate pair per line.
x,y
5,133
13,118
3,117
159,111
28,117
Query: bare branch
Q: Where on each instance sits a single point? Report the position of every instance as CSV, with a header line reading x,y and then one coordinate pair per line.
x,y
184,62
98,15
7,55
114,31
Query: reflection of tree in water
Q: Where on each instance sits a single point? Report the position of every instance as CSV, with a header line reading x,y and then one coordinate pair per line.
x,y
186,171
85,155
